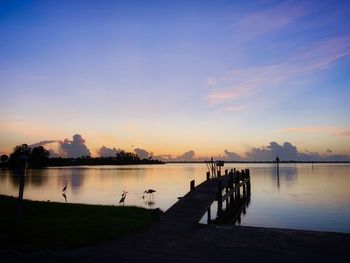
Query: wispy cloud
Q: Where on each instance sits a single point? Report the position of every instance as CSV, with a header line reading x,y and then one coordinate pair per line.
x,y
247,81
234,108
232,93
262,22
317,129
345,133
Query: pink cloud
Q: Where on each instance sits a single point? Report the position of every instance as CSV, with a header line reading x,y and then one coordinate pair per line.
x,y
345,133
230,94
242,82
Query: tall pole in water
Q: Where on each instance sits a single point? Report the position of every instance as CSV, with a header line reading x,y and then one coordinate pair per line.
x,y
278,171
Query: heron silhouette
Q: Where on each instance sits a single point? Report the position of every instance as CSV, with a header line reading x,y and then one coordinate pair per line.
x,y
123,197
65,197
65,187
149,191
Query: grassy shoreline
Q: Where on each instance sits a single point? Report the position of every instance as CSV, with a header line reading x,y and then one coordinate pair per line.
x,y
46,225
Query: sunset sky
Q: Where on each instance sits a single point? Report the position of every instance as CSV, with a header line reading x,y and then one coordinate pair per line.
x,y
176,76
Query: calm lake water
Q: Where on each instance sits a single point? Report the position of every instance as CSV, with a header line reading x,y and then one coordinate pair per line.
x,y
303,196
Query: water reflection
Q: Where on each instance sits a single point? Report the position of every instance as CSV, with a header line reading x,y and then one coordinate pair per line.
x,y
37,177
149,203
287,174
302,196
231,211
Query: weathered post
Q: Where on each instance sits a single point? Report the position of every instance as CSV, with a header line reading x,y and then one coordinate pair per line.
x,y
209,215
277,164
21,173
278,171
248,182
192,185
219,198
220,164
238,191
231,181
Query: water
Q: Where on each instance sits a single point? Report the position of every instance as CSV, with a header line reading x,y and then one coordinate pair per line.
x,y
303,196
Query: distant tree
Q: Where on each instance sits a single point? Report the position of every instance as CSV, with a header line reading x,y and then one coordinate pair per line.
x,y
4,158
19,151
38,157
127,157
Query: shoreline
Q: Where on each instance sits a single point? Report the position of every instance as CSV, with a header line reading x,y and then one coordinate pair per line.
x,y
164,242
203,243
2,166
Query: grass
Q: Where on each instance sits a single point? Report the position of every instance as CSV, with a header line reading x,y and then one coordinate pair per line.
x,y
51,225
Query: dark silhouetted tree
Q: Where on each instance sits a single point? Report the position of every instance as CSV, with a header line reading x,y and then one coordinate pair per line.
x,y
39,156
19,151
127,157
4,158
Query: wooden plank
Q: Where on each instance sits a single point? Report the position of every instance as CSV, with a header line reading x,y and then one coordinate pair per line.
x,y
191,207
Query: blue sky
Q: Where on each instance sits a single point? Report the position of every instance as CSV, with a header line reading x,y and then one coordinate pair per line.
x,y
173,76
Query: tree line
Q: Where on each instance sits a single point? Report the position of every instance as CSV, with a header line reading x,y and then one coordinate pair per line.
x,y
39,157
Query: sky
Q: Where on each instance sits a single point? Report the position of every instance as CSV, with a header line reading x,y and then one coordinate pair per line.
x,y
176,78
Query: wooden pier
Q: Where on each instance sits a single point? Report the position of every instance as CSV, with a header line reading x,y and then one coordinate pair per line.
x,y
229,190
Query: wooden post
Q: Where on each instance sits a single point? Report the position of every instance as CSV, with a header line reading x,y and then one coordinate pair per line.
x,y
219,198
244,179
20,198
231,183
219,173
21,173
192,185
245,189
226,172
248,182
209,215
238,193
208,175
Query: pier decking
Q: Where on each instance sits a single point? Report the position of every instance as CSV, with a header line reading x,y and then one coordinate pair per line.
x,y
191,208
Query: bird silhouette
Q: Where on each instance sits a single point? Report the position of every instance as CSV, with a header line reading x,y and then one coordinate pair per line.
x,y
65,197
123,197
65,187
149,191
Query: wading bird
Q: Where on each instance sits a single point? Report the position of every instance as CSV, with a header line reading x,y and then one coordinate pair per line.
x,y
65,197
123,197
149,191
65,187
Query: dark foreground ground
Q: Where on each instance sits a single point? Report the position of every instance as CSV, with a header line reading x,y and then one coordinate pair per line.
x,y
197,243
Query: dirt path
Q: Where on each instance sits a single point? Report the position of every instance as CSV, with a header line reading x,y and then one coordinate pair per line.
x,y
205,244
